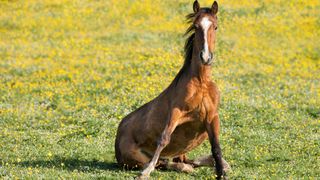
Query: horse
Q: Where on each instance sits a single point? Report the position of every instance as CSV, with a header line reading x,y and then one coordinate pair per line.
x,y
183,115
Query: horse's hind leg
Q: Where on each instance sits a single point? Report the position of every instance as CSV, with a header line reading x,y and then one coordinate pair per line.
x,y
202,161
209,161
178,166
131,156
174,165
182,159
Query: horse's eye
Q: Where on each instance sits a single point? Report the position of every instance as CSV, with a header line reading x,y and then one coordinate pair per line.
x,y
216,28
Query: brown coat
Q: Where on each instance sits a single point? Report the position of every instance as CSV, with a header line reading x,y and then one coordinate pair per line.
x,y
183,115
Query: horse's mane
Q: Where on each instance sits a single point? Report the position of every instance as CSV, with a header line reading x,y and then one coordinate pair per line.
x,y
188,46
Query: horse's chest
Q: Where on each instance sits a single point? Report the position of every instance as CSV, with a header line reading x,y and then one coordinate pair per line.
x,y
200,106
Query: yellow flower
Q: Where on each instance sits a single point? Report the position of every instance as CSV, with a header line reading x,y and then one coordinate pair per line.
x,y
49,154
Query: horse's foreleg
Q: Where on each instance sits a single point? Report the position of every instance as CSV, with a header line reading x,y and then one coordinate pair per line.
x,y
162,143
213,128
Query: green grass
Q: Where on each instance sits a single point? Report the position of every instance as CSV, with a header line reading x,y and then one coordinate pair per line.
x,y
70,71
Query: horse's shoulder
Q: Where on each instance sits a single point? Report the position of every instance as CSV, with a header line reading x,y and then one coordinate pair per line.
x,y
214,91
213,87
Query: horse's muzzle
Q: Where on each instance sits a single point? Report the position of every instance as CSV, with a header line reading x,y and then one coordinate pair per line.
x,y
206,58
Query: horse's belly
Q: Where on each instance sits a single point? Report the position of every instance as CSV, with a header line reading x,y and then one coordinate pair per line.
x,y
185,138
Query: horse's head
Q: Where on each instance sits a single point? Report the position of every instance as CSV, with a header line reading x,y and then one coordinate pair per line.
x,y
205,23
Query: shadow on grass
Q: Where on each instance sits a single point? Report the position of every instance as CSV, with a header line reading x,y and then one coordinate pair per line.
x,y
71,164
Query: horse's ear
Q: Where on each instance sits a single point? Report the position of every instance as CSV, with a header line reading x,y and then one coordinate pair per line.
x,y
196,6
214,7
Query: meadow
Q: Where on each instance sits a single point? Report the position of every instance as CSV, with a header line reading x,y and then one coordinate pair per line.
x,y
71,70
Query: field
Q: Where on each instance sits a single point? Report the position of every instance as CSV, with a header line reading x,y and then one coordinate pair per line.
x,y
71,70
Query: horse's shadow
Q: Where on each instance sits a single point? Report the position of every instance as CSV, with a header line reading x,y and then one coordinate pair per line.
x,y
71,164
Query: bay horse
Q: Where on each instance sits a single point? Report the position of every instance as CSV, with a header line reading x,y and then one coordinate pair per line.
x,y
183,115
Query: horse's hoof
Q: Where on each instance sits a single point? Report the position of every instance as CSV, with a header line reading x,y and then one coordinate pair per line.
x,y
187,168
142,177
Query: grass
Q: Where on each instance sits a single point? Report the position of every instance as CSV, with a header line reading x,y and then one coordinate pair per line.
x,y
71,70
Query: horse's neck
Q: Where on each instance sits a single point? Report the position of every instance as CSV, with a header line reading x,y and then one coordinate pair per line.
x,y
200,71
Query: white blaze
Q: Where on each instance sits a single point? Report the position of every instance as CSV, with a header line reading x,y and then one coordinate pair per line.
x,y
205,24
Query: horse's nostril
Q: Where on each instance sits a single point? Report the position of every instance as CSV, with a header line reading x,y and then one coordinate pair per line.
x,y
210,56
206,57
